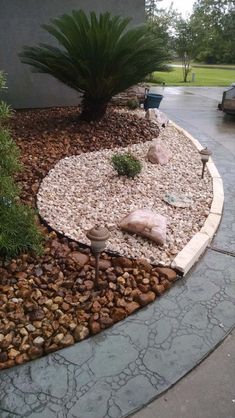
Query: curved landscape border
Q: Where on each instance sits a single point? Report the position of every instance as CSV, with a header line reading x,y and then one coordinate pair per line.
x,y
192,251
119,371
190,254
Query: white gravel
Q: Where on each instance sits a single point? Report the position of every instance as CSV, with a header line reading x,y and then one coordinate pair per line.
x,y
83,191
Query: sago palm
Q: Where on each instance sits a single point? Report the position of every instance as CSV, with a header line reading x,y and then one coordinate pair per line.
x,y
99,57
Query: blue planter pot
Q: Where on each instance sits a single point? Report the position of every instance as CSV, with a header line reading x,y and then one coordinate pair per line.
x,y
152,101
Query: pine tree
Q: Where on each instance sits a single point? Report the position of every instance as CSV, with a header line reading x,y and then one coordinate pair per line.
x,y
151,8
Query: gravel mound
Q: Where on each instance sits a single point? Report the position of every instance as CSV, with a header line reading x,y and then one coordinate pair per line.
x,y
84,190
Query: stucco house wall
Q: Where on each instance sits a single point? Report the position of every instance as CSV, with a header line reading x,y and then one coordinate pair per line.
x,y
20,22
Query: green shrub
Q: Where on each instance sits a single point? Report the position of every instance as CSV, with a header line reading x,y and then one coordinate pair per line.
x,y
126,165
9,165
2,81
132,104
5,111
18,230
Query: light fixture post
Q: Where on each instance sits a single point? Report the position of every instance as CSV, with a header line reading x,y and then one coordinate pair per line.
x,y
97,259
205,154
98,237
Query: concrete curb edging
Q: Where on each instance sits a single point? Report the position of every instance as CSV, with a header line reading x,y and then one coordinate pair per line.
x,y
190,254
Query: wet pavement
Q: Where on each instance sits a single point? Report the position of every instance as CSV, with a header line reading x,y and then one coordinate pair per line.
x,y
197,108
206,392
119,371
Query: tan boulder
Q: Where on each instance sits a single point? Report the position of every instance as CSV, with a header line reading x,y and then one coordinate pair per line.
x,y
147,223
158,153
157,116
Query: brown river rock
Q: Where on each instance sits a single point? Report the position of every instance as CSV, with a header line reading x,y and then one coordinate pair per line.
x,y
46,301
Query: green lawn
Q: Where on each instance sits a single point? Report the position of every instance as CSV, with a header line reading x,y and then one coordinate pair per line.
x,y
203,77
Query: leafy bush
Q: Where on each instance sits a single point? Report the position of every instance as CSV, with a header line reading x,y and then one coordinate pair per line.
x,y
132,104
99,57
2,81
9,165
5,109
126,165
18,231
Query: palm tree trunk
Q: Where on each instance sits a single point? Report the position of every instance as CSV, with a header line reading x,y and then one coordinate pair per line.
x,y
92,110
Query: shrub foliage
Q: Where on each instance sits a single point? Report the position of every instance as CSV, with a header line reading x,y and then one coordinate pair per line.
x,y
126,165
132,104
18,231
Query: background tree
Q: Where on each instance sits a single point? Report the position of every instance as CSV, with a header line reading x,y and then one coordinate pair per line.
x,y
99,57
208,35
161,22
213,23
152,9
184,45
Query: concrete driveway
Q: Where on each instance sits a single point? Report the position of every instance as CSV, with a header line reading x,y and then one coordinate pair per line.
x,y
197,107
208,391
121,370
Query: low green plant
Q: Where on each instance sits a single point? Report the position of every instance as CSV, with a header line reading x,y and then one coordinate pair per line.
x,y
2,81
126,165
9,165
132,104
5,111
18,230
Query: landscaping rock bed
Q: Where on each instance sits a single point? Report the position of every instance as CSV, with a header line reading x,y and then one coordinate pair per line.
x,y
44,136
48,302
83,191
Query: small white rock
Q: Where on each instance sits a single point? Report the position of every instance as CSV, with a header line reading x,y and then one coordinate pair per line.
x,y
38,341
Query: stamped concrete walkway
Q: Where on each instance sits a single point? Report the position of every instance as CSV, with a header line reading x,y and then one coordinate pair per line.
x,y
124,368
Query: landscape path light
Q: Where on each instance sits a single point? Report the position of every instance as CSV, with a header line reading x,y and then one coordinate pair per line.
x,y
98,237
205,154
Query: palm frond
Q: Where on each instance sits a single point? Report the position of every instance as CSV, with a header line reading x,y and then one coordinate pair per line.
x,y
97,55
